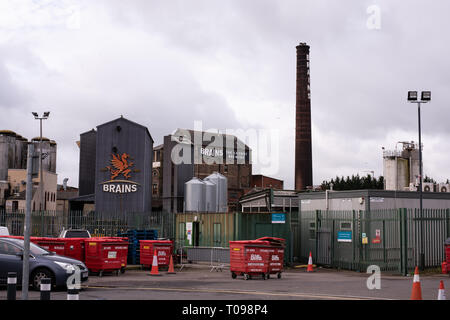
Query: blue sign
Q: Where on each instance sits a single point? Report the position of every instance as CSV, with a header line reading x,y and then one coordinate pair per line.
x,y
344,236
278,218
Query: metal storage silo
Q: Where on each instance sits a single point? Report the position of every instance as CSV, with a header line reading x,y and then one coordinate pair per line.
x,y
222,190
7,152
24,153
21,153
46,152
52,156
194,195
210,196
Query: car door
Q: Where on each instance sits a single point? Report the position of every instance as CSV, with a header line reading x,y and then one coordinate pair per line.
x,y
9,260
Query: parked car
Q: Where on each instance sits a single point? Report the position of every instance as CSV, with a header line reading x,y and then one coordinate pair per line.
x,y
75,233
43,264
4,231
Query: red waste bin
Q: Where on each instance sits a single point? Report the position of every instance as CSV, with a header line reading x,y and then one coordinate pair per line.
x,y
103,254
164,249
275,255
55,245
74,248
447,254
122,251
249,258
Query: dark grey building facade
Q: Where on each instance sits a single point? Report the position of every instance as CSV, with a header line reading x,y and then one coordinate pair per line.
x,y
189,153
116,168
88,144
123,175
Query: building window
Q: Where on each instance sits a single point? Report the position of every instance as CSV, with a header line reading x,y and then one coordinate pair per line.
x,y
155,189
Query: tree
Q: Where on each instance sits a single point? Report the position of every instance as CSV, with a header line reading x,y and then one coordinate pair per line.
x,y
354,183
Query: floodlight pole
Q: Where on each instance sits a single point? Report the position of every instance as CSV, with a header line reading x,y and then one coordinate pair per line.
x,y
41,177
422,254
41,171
426,96
27,227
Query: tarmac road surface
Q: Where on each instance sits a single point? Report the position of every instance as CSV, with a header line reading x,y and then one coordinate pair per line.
x,y
194,283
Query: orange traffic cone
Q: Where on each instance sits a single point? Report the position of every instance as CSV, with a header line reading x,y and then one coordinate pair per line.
x,y
416,289
154,271
310,265
441,294
171,270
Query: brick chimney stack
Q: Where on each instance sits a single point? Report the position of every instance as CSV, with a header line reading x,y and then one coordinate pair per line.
x,y
303,148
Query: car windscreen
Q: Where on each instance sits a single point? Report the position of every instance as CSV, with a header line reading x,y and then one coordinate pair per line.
x,y
76,234
37,251
34,249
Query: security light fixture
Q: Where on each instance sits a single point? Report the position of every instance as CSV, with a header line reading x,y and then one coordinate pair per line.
x,y
35,114
426,95
412,95
46,114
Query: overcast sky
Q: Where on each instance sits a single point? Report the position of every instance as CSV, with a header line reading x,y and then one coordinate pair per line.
x,y
232,65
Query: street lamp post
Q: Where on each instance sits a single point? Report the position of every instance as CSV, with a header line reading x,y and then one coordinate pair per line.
x,y
425,97
41,176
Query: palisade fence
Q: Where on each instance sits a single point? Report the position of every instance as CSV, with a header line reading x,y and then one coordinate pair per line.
x,y
51,223
394,238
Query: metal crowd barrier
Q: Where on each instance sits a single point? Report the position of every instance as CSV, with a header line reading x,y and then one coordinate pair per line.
x,y
217,256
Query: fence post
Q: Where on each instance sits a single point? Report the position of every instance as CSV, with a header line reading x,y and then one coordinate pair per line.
x,y
316,224
12,283
403,242
447,218
384,244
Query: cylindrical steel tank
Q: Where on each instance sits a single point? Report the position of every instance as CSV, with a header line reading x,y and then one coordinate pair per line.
x,y
53,156
221,190
7,152
46,152
21,153
210,196
194,195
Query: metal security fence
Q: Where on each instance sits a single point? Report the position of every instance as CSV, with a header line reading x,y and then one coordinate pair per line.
x,y
391,239
217,257
51,223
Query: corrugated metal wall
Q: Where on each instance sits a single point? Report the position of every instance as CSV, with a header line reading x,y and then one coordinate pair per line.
x,y
398,246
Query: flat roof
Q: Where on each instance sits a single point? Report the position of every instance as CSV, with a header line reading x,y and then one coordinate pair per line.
x,y
373,193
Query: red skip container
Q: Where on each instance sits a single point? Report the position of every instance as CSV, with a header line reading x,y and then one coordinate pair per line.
x,y
164,249
447,254
122,251
55,245
249,258
275,255
103,254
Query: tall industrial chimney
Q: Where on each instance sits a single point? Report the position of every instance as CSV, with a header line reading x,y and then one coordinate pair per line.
x,y
303,148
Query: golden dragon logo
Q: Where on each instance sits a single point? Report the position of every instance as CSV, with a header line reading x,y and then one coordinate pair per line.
x,y
120,165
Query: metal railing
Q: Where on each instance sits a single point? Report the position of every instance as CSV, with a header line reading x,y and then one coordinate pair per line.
x,y
218,257
51,223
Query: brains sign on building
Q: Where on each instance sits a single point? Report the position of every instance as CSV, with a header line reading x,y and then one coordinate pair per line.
x,y
120,167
